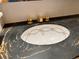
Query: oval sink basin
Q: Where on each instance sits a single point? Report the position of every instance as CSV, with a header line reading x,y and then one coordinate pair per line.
x,y
45,34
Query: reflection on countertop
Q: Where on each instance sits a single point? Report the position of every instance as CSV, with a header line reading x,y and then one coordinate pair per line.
x,y
18,49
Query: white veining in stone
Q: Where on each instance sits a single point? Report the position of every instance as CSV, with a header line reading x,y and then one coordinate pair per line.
x,y
39,52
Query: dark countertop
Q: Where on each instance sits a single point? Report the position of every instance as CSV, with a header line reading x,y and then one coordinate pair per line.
x,y
18,49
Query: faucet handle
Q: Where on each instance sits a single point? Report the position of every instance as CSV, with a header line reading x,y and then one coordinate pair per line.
x,y
46,18
29,20
40,19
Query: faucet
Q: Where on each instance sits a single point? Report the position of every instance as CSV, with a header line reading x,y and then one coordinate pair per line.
x,y
39,19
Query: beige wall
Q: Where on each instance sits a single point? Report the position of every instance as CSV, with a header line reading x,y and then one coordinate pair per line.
x,y
19,11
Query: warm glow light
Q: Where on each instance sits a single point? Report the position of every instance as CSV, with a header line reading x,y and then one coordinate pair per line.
x,y
0,1
3,1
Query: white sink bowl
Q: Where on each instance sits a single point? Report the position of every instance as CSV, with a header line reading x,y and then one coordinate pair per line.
x,y
45,34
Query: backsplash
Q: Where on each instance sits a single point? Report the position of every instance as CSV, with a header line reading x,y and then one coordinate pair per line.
x,y
20,11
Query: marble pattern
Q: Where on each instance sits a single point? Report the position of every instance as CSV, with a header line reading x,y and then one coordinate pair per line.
x,y
18,49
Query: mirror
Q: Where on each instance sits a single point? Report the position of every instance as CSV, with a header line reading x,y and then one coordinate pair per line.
x,y
17,0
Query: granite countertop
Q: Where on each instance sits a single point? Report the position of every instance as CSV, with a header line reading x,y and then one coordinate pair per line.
x,y
16,48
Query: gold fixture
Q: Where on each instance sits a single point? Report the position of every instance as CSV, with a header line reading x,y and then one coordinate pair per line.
x,y
29,20
40,19
46,18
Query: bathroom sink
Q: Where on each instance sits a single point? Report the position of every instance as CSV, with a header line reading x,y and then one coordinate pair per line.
x,y
64,31
45,34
